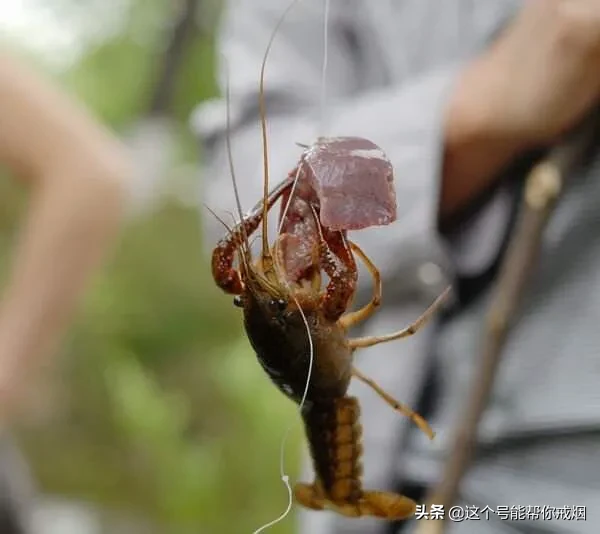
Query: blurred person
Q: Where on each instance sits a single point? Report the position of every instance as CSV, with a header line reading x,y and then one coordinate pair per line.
x,y
463,96
78,175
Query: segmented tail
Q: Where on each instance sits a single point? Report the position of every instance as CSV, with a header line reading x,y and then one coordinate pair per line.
x,y
334,434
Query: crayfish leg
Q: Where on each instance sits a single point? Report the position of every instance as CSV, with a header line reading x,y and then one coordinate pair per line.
x,y
352,318
224,274
369,341
398,406
337,260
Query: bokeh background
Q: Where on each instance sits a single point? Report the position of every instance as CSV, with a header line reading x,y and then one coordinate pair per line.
x,y
158,418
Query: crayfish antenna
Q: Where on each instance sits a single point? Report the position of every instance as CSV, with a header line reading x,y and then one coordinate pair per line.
x,y
245,246
219,219
267,260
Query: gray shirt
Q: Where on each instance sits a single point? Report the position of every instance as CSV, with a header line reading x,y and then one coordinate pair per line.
x,y
391,68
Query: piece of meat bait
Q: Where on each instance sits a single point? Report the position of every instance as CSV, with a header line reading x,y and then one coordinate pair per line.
x,y
353,180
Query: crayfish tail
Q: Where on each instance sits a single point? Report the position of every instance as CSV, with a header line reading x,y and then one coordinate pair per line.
x,y
381,504
334,434
387,505
309,496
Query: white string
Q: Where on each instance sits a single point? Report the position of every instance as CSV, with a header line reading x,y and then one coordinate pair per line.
x,y
323,102
284,477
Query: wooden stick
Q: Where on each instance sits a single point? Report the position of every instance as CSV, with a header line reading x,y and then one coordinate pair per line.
x,y
542,190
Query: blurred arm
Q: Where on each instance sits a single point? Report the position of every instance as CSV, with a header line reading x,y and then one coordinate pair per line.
x,y
77,172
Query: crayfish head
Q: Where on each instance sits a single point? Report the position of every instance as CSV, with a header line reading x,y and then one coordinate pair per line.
x,y
271,305
286,277
280,327
265,293
262,291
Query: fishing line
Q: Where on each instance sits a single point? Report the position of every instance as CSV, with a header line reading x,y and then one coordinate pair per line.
x,y
324,66
322,104
323,99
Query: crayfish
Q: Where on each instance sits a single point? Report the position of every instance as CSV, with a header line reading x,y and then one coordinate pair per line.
x,y
298,329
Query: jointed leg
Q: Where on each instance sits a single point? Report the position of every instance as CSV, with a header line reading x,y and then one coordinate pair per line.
x,y
398,406
336,259
352,318
225,276
369,341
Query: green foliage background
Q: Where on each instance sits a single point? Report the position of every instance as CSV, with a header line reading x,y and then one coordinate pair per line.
x,y
165,412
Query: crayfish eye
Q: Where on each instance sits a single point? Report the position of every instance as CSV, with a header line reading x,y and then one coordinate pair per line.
x,y
237,301
279,304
